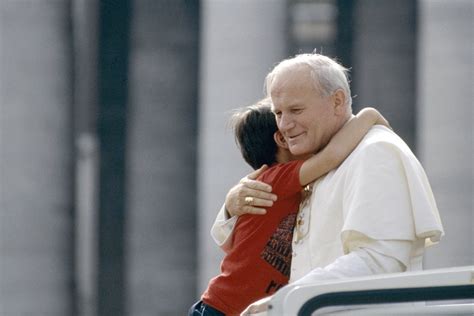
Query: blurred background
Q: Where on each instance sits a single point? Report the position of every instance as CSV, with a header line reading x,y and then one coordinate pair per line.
x,y
115,154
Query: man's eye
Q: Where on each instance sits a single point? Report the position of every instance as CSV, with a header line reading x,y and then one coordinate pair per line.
x,y
297,111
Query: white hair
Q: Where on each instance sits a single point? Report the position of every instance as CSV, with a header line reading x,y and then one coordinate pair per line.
x,y
327,74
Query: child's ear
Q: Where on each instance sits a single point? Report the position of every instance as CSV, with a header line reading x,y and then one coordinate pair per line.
x,y
280,140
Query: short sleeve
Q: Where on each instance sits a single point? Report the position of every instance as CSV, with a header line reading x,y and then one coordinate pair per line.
x,y
284,178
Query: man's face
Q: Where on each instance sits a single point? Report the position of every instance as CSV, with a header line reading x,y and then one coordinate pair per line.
x,y
304,117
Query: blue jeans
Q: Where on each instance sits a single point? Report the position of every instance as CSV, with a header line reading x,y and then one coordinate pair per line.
x,y
202,309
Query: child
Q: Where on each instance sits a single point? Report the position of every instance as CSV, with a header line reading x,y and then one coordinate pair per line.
x,y
259,262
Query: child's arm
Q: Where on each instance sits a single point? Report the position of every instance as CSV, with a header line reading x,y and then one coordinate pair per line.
x,y
341,145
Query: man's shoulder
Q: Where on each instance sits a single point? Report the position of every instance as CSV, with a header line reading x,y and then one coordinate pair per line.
x,y
378,146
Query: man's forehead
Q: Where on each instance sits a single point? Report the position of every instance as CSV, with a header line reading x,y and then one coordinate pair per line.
x,y
289,78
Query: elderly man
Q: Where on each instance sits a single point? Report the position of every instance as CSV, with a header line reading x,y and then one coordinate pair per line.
x,y
374,214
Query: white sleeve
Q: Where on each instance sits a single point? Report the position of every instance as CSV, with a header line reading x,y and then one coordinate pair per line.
x,y
359,262
222,229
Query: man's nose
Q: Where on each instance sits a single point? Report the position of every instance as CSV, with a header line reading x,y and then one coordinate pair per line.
x,y
286,123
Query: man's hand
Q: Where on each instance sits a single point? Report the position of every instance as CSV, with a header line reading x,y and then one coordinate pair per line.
x,y
250,196
259,306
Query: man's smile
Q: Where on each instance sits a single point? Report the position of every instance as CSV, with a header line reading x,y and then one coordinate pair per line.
x,y
295,137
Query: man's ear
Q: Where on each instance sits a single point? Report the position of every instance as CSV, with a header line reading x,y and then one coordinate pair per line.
x,y
280,140
339,99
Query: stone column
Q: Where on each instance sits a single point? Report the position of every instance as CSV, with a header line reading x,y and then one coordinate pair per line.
x,y
85,35
113,73
384,69
445,115
240,42
161,157
36,158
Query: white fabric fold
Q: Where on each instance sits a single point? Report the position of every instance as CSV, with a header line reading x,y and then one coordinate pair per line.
x,y
221,231
387,194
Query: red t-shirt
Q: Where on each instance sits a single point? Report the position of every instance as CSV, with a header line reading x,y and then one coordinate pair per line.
x,y
259,262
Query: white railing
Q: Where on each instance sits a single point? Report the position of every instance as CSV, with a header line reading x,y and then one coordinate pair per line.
x,y
356,296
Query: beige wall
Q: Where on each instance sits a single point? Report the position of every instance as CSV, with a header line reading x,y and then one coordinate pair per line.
x,y
36,159
161,158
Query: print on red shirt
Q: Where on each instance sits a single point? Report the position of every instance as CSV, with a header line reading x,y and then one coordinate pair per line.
x,y
277,252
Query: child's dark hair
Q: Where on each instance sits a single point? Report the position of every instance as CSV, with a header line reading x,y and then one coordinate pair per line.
x,y
254,127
